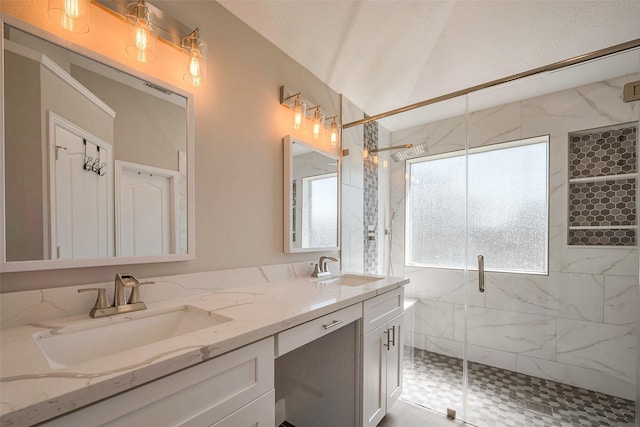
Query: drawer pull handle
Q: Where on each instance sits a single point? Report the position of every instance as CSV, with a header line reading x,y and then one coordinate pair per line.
x,y
332,324
388,344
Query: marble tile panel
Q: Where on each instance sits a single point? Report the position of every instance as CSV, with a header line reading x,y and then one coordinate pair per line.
x,y
598,346
521,292
491,357
447,135
350,111
434,319
591,260
558,185
580,296
494,125
585,107
613,385
352,206
444,285
352,165
414,135
446,347
353,252
621,300
416,340
509,331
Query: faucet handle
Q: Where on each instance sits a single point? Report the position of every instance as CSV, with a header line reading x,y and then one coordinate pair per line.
x,y
135,292
101,301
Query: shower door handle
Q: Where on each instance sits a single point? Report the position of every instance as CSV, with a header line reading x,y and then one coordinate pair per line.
x,y
480,273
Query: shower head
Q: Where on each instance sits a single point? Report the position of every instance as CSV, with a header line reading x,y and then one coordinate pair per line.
x,y
410,153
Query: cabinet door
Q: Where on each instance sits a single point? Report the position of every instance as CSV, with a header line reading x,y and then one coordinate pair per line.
x,y
259,413
374,376
394,360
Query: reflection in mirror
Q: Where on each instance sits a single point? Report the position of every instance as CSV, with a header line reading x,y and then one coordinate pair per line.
x,y
311,198
95,159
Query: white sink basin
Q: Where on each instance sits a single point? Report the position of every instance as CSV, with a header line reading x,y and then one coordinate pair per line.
x,y
102,337
350,280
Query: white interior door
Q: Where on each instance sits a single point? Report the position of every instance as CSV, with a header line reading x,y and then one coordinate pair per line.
x,y
80,199
146,210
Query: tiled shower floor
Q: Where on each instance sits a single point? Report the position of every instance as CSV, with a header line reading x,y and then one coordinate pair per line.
x,y
497,397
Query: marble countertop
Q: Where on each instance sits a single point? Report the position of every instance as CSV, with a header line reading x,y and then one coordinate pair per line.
x,y
32,391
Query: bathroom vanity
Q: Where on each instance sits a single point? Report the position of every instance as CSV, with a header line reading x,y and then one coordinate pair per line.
x,y
326,350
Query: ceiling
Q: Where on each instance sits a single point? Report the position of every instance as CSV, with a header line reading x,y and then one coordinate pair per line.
x,y
383,55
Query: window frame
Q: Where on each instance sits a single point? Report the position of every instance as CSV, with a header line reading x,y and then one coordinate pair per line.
x,y
306,182
542,139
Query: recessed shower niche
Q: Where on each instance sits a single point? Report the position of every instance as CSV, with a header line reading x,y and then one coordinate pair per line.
x,y
602,186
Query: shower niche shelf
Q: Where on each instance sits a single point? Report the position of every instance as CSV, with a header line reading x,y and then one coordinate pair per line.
x,y
602,186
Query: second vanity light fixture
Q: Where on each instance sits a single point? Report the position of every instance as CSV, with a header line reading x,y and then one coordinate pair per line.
x,y
295,102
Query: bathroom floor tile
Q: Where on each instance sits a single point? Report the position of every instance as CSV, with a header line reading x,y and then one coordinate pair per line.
x,y
498,397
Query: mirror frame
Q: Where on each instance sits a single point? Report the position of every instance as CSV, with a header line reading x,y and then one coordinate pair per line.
x,y
15,266
287,197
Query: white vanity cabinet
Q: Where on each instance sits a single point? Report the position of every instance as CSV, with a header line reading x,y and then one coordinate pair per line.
x,y
382,359
234,389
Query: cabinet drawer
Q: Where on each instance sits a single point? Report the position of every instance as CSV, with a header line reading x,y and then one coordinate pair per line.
x,y
300,335
202,394
259,413
382,308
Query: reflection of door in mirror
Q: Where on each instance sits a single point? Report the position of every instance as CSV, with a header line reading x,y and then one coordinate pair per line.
x,y
146,210
80,196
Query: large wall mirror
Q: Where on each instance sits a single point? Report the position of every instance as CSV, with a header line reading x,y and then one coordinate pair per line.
x,y
310,198
95,161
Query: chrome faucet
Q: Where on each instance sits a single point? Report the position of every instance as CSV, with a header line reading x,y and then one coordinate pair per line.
x,y
320,269
120,304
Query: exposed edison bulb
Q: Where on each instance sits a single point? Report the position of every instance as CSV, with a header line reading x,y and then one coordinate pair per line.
x,y
365,153
71,15
141,35
333,133
375,159
297,114
317,123
71,8
195,67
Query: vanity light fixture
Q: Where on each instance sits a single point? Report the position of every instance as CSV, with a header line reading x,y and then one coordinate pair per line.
x,y
143,35
195,72
299,111
71,15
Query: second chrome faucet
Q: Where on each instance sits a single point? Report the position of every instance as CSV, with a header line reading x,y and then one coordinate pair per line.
x,y
120,303
320,269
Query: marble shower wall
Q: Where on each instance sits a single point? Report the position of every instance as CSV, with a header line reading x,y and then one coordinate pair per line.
x,y
352,185
576,325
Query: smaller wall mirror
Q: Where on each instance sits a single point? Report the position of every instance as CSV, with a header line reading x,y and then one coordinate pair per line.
x,y
310,198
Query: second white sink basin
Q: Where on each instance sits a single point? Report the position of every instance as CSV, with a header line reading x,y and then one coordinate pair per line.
x,y
103,337
350,280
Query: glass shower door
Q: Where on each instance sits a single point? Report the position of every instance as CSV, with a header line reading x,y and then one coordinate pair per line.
x,y
551,339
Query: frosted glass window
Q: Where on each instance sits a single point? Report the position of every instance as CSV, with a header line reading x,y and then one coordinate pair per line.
x,y
320,210
507,208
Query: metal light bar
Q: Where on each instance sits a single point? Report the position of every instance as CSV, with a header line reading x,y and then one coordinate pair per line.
x,y
168,28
